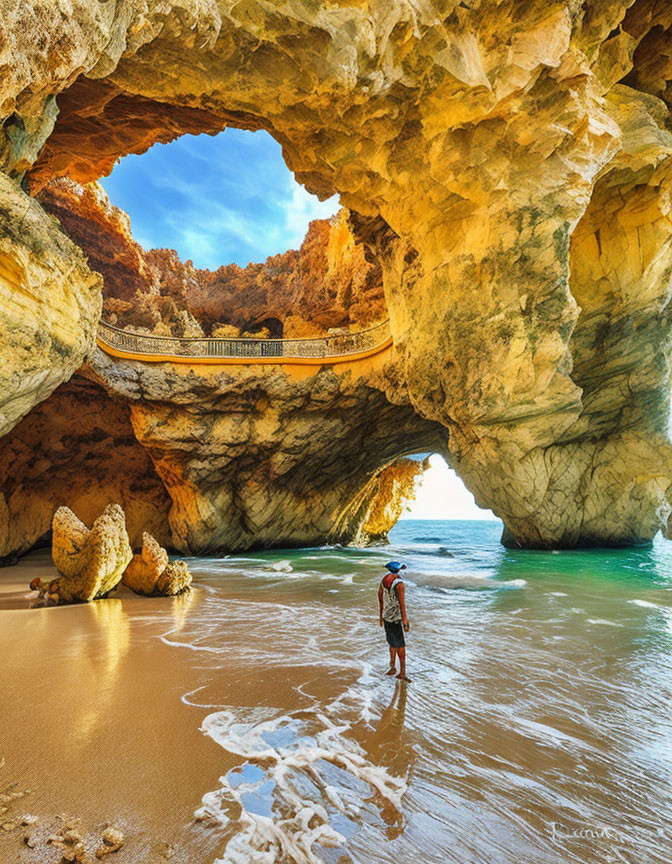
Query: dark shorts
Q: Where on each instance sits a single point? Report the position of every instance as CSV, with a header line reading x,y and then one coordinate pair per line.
x,y
395,634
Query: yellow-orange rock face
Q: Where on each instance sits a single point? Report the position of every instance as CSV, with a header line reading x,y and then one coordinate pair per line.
x,y
76,448
327,283
260,456
90,562
151,572
384,499
49,305
508,166
175,579
142,573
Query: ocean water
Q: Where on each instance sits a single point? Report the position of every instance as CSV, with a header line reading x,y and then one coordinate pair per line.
x,y
537,727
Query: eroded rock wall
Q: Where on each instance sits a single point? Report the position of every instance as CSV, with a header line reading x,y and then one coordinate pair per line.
x,y
327,283
77,448
377,508
606,479
479,148
264,456
49,305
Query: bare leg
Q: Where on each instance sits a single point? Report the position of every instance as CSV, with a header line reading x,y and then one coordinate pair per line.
x,y
392,669
401,652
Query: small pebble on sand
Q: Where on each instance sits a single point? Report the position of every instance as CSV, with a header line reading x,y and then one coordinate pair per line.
x,y
113,839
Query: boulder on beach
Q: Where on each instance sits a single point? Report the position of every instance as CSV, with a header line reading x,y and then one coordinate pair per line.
x,y
151,571
90,562
175,579
142,573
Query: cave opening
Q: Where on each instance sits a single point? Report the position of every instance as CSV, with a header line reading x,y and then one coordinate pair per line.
x,y
217,199
222,242
442,495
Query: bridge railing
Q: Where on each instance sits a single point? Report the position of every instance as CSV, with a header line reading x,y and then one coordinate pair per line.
x,y
128,341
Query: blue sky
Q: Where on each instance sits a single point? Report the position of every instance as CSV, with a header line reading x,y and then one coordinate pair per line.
x,y
231,198
215,199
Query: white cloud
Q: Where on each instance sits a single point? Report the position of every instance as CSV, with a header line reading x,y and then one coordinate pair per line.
x,y
301,208
216,199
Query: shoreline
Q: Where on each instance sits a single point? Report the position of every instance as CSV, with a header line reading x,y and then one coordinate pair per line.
x,y
95,727
259,700
103,717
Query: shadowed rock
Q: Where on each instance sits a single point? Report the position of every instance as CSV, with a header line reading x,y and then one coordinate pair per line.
x,y
77,449
150,571
175,579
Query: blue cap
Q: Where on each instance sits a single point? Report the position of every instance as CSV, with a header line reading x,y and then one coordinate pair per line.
x,y
393,566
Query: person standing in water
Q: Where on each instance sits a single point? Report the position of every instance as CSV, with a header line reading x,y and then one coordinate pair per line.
x,y
392,606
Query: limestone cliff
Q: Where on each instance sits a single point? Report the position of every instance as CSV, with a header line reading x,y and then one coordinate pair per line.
x,y
382,501
327,283
49,305
90,561
506,165
258,456
76,448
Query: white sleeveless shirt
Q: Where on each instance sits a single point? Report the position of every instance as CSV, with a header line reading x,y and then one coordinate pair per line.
x,y
391,607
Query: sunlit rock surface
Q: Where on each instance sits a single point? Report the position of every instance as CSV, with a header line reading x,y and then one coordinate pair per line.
x,y
90,562
49,305
146,566
506,165
260,456
174,579
326,284
151,572
380,504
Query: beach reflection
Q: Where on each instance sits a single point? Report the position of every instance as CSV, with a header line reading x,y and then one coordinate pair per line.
x,y
97,663
538,712
389,746
181,606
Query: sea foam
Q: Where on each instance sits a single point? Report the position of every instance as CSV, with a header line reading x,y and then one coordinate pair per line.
x,y
301,771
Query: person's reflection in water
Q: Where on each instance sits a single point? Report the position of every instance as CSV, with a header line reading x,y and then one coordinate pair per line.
x,y
389,746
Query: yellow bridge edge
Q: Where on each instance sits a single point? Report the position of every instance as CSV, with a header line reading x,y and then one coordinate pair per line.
x,y
243,361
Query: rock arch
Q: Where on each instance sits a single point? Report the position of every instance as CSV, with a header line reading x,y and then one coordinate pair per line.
x,y
474,146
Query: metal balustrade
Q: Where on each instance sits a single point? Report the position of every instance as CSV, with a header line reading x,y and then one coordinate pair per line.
x,y
130,342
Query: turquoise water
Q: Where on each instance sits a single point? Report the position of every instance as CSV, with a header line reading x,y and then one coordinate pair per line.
x,y
537,726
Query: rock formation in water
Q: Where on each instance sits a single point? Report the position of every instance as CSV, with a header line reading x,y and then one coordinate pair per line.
x,y
505,164
152,572
90,562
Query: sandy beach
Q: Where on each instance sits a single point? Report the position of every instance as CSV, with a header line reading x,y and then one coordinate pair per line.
x,y
249,721
98,728
94,726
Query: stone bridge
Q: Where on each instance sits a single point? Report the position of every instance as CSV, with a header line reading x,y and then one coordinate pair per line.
x,y
346,347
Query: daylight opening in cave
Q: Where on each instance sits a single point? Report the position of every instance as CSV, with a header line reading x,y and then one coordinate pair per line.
x,y
224,243
216,199
231,199
441,494
230,424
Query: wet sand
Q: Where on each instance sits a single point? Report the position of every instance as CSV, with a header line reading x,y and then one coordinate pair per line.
x,y
93,724
536,729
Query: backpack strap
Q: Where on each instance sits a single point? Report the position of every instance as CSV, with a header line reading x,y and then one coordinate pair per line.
x,y
396,582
